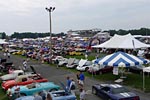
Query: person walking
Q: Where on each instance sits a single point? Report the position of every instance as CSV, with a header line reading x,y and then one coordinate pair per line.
x,y
82,94
57,62
49,97
81,79
24,65
8,54
72,86
37,96
68,83
17,91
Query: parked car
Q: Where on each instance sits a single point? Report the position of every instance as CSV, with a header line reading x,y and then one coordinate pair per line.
x,y
85,67
136,69
62,95
23,80
99,69
113,92
63,62
59,58
73,64
31,89
25,98
6,66
75,53
11,76
15,73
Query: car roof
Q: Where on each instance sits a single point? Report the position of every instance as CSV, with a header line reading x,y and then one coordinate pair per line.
x,y
17,71
112,85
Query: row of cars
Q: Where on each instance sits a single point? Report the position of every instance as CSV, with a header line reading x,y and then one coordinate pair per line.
x,y
90,66
82,65
30,83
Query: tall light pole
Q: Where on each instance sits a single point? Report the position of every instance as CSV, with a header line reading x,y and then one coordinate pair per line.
x,y
50,10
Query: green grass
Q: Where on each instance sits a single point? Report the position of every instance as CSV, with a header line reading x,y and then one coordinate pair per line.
x,y
3,95
90,57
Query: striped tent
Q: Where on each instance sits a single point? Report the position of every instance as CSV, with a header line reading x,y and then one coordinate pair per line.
x,y
121,59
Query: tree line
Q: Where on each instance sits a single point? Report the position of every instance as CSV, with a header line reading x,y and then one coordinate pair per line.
x,y
18,35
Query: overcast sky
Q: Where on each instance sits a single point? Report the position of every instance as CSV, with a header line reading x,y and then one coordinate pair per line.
x,y
31,16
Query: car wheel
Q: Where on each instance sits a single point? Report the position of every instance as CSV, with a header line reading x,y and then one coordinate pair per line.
x,y
94,91
52,90
86,69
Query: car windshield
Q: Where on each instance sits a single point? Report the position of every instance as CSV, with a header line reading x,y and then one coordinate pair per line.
x,y
119,90
88,63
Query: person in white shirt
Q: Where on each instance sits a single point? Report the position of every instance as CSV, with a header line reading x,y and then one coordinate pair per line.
x,y
82,94
72,86
24,64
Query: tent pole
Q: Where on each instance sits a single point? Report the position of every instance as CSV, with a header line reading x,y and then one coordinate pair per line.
x,y
143,81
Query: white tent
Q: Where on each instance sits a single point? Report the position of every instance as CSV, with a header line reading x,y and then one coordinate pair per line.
x,y
122,41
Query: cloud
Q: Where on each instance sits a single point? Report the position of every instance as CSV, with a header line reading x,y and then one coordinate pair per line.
x,y
30,15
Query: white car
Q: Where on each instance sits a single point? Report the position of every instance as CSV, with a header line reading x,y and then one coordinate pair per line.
x,y
84,66
72,63
15,74
59,58
63,62
11,76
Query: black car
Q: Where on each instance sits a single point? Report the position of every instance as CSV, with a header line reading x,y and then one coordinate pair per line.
x,y
113,92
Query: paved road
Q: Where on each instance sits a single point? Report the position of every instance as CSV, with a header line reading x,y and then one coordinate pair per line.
x,y
56,75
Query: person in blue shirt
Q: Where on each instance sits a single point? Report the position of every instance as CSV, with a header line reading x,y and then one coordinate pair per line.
x,y
68,82
81,79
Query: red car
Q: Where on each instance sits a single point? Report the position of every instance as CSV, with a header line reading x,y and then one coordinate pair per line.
x,y
23,80
100,70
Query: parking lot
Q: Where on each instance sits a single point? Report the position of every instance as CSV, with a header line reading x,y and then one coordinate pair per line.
x,y
59,75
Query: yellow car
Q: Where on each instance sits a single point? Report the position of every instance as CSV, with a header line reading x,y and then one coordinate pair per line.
x,y
75,53
20,52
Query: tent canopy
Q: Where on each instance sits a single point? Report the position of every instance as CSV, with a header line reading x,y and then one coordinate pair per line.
x,y
121,59
123,42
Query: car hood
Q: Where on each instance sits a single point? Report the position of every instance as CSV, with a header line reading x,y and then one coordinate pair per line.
x,y
9,82
8,77
22,88
26,98
125,95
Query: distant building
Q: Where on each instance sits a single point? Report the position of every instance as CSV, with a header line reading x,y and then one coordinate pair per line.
x,y
103,36
87,33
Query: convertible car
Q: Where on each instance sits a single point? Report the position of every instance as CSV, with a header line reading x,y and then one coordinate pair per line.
x,y
62,95
55,95
25,98
23,80
15,73
32,89
113,92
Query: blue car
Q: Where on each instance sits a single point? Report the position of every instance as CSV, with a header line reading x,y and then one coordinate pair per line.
x,y
34,88
113,92
55,95
62,95
26,98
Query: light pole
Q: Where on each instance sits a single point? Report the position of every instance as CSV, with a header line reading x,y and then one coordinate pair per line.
x,y
50,10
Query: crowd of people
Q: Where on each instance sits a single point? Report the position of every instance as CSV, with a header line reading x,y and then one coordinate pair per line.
x,y
73,86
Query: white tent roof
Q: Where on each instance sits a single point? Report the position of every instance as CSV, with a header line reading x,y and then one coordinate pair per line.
x,y
122,41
